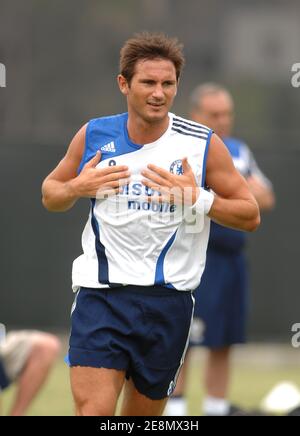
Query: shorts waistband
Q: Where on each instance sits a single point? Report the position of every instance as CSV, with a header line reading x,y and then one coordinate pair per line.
x,y
147,290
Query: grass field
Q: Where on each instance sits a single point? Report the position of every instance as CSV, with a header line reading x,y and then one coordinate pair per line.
x,y
256,370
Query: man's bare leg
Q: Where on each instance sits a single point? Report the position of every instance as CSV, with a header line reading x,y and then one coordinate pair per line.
x,y
96,390
217,377
217,372
136,404
43,354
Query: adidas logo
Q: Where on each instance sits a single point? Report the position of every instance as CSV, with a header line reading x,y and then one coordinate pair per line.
x,y
109,147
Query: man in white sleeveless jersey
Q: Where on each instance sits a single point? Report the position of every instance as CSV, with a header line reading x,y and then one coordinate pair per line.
x,y
148,174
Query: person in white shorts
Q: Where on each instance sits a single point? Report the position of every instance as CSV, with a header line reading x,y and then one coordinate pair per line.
x,y
26,358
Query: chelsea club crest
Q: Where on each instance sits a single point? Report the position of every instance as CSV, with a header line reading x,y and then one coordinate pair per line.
x,y
176,168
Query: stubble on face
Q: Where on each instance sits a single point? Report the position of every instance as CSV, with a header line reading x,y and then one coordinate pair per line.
x,y
152,90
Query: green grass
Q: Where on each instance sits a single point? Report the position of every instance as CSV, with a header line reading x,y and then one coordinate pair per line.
x,y
249,385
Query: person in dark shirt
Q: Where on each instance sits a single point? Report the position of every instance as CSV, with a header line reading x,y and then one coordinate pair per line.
x,y
222,297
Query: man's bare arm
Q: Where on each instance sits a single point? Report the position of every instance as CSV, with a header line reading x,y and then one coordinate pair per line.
x,y
63,187
234,205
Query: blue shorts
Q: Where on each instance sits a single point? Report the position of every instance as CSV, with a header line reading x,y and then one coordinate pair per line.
x,y
141,330
221,301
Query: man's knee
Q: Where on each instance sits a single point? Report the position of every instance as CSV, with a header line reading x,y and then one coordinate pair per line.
x,y
91,409
86,405
96,390
47,346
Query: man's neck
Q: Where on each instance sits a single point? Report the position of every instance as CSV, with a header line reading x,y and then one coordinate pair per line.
x,y
143,132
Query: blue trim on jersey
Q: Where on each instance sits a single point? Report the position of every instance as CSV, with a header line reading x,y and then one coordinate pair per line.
x,y
234,146
237,149
129,142
83,159
193,124
103,131
100,249
170,286
205,158
201,135
159,272
190,129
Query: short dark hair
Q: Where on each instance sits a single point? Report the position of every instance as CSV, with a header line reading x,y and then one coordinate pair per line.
x,y
208,88
147,45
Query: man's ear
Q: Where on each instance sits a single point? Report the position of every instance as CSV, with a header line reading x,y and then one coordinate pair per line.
x,y
123,84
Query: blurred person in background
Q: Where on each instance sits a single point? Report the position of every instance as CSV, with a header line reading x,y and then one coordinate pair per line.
x,y
222,297
26,358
